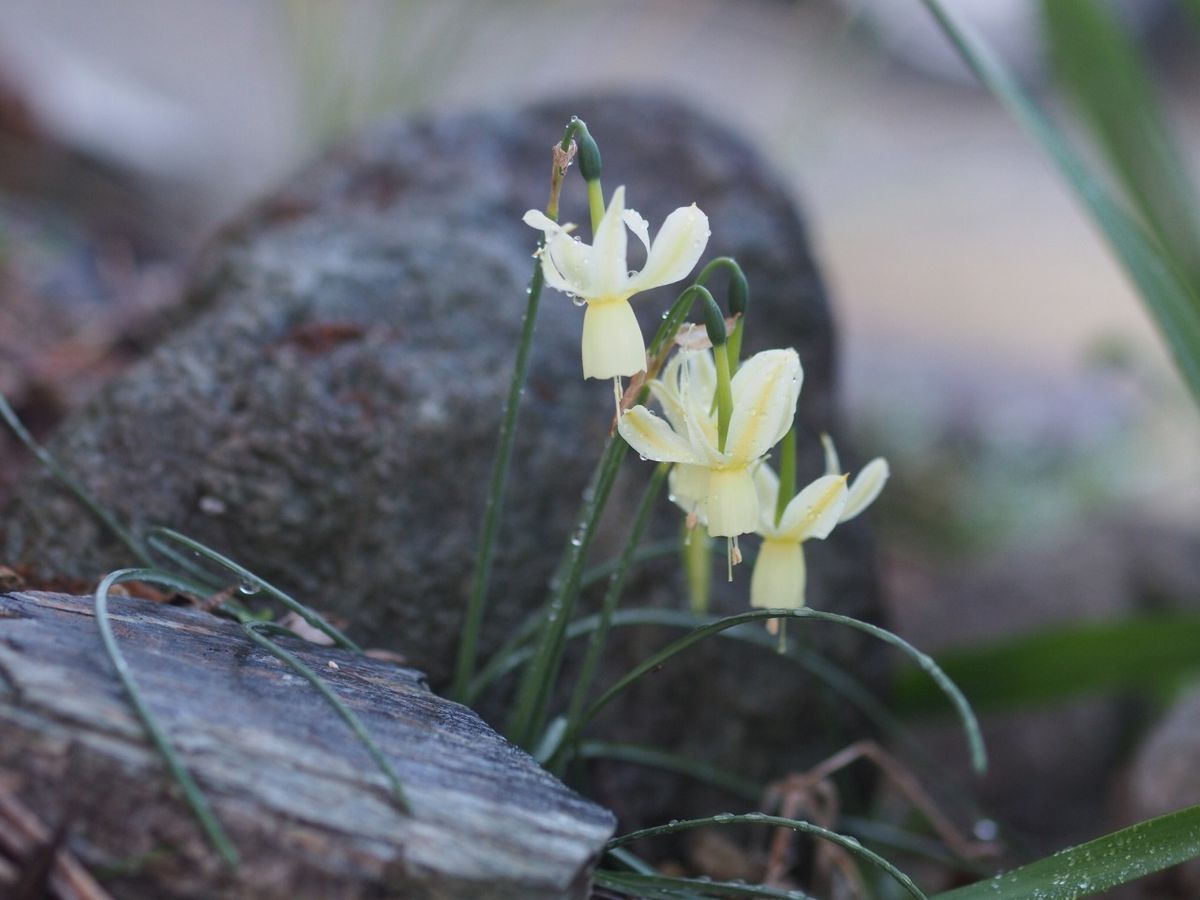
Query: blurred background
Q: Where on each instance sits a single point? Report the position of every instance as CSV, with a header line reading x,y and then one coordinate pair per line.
x,y
1043,448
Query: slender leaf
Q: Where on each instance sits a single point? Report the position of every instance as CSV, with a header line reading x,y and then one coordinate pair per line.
x,y
924,661
1169,298
846,843
1100,65
193,796
1058,663
665,887
1098,865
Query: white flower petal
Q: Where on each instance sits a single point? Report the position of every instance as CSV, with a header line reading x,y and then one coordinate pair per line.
x,y
535,218
639,226
814,511
766,483
702,372
688,486
612,340
672,407
566,264
833,465
701,422
765,390
652,438
866,487
731,504
676,249
779,576
608,271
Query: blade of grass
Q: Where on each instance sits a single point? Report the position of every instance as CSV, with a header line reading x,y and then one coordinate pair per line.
x,y
846,843
73,486
1115,859
924,661
1171,301
608,606
192,794
1057,663
1101,67
666,887
254,583
253,631
836,679
464,667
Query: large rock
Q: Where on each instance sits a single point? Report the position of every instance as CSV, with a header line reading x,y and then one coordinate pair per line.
x,y
327,410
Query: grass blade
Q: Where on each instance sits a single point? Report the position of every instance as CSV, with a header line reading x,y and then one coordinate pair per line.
x,y
77,490
1100,65
253,631
1098,865
665,887
1145,652
922,660
1170,300
192,794
846,843
254,584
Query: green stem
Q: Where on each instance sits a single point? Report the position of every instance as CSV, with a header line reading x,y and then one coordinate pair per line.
x,y
733,348
787,473
724,396
609,605
468,646
595,195
191,791
10,417
533,695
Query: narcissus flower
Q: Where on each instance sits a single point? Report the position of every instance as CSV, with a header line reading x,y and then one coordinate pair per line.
x,y
780,572
599,276
716,481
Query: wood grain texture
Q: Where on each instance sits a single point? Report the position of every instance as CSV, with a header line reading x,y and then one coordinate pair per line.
x,y
308,810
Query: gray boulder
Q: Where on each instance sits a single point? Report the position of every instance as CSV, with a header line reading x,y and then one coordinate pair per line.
x,y
326,412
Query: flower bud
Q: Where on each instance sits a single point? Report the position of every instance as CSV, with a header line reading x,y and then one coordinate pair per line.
x,y
714,322
589,154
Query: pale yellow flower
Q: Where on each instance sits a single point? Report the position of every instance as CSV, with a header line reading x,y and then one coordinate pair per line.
x,y
780,573
598,275
716,482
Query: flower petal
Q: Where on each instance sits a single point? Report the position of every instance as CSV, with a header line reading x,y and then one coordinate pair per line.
x,y
814,511
675,250
766,483
701,421
668,398
612,340
608,271
866,487
688,486
765,390
566,264
779,576
731,504
535,218
653,438
833,465
639,226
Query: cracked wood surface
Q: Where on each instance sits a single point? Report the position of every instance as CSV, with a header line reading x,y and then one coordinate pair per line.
x,y
301,798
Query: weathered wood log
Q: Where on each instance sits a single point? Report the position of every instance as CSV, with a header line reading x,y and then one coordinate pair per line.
x,y
308,810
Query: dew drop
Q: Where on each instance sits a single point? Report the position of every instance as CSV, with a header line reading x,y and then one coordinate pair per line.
x,y
985,830
248,587
723,818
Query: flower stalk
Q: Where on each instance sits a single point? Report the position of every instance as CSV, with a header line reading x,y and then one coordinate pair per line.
x,y
481,579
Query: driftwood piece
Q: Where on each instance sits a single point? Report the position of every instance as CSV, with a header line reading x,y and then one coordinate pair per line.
x,y
301,798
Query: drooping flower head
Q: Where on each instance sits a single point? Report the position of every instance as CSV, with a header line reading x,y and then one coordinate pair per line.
x,y
599,275
780,572
712,481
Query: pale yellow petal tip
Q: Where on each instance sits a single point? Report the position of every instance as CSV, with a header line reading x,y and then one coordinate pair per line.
x,y
866,487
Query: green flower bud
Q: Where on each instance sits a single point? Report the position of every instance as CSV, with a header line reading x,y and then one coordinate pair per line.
x,y
714,322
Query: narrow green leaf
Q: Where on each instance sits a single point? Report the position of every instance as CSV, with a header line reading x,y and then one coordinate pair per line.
x,y
1107,78
193,796
923,660
1171,301
846,843
1098,865
1057,663
665,887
